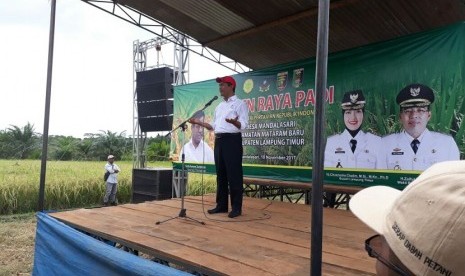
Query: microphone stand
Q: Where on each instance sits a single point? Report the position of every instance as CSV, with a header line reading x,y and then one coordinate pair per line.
x,y
183,211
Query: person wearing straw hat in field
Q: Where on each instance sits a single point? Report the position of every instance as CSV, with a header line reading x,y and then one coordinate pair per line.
x,y
111,182
420,230
353,148
416,147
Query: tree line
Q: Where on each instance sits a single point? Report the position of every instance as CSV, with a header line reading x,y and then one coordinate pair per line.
x,y
25,143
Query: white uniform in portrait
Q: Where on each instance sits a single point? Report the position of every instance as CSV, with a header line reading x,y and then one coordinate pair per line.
x,y
202,153
434,147
338,153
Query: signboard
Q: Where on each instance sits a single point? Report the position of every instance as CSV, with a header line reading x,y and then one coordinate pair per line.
x,y
278,142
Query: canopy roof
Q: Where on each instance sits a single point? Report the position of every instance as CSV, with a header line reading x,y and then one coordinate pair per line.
x,y
261,34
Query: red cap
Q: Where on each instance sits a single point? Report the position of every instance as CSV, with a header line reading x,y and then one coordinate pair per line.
x,y
227,79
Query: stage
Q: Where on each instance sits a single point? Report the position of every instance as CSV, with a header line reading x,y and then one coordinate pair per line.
x,y
270,238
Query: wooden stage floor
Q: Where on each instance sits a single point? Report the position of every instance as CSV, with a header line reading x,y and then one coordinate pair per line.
x,y
270,238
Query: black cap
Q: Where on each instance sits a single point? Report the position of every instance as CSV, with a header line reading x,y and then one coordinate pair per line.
x,y
353,100
415,95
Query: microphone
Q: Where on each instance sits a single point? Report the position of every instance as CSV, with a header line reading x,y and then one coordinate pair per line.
x,y
210,102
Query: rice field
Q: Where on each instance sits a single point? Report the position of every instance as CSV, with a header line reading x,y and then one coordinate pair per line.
x,y
71,184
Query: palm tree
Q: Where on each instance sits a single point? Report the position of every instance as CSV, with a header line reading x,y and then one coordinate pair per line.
x,y
84,148
108,142
65,147
158,149
5,148
23,141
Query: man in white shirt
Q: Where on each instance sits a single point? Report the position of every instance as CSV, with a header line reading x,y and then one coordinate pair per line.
x,y
112,182
196,150
231,117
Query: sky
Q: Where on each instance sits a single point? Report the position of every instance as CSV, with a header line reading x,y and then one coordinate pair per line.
x,y
92,82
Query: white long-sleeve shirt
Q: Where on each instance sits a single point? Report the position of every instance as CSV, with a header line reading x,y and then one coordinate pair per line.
x,y
232,108
112,168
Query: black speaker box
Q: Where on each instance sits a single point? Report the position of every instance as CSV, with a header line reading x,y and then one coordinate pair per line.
x,y
155,108
152,92
157,75
155,84
151,184
160,123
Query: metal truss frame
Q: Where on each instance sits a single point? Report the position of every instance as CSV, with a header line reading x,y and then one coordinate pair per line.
x,y
180,76
183,45
159,29
139,138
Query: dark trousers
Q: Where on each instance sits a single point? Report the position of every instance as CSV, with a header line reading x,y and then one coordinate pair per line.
x,y
228,162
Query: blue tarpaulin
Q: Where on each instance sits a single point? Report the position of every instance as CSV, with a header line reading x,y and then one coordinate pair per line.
x,y
62,250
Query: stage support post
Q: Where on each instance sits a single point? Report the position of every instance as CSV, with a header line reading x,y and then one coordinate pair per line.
x,y
319,138
48,92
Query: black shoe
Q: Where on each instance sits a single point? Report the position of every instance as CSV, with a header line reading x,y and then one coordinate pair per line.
x,y
234,214
105,204
217,210
114,204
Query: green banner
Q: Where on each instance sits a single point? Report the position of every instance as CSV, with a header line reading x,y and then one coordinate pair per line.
x,y
278,142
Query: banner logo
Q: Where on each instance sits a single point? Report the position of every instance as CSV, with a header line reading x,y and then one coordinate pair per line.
x,y
297,77
281,81
265,86
248,86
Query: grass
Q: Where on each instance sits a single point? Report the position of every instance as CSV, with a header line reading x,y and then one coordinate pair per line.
x,y
69,184
17,233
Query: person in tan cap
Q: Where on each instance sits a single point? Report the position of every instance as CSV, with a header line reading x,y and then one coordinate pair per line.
x,y
420,229
111,182
231,117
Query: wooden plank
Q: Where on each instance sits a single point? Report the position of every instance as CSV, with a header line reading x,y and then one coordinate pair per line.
x,y
342,246
339,235
276,255
172,251
341,226
252,244
289,216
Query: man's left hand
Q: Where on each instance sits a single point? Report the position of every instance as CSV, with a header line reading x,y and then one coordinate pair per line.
x,y
234,121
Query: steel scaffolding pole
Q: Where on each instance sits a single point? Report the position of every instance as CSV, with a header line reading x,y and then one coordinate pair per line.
x,y
161,30
140,63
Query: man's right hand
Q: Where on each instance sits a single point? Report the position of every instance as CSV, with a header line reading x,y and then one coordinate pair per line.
x,y
196,121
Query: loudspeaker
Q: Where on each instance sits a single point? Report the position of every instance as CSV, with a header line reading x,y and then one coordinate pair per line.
x,y
154,91
155,108
161,123
155,84
151,184
157,75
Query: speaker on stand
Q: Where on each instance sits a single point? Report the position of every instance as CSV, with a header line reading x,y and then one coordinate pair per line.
x,y
154,91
